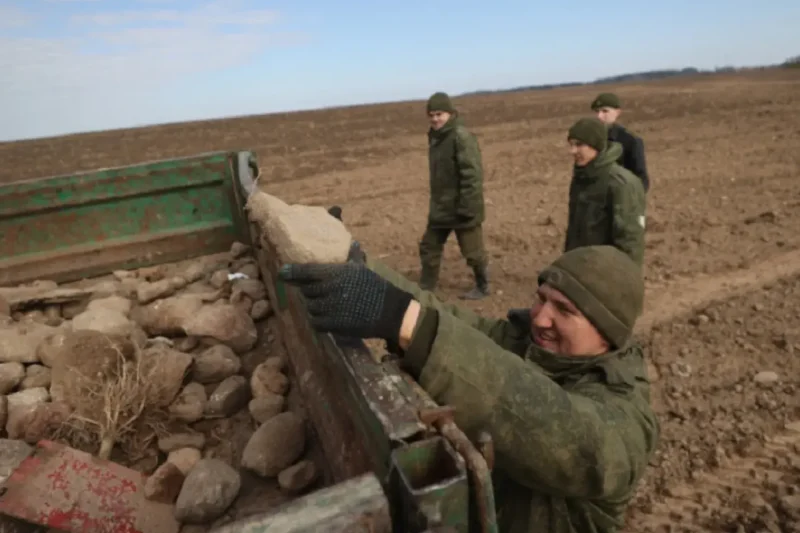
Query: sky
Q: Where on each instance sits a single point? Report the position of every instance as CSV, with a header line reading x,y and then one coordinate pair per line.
x,y
82,65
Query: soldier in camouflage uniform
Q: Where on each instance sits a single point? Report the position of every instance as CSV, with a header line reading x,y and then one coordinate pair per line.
x,y
456,197
606,201
561,387
608,108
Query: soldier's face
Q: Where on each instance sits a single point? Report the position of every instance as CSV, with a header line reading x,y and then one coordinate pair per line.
x,y
608,115
438,119
583,154
558,326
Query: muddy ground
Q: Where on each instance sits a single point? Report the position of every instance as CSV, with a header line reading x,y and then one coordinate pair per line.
x,y
722,319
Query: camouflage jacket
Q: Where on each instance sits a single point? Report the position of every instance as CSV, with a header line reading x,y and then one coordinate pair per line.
x,y
606,206
456,177
572,436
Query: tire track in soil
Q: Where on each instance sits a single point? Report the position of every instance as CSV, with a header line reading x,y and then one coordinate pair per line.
x,y
755,490
678,298
758,492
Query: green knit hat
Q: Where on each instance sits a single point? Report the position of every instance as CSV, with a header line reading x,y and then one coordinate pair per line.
x,y
590,131
606,100
604,284
440,102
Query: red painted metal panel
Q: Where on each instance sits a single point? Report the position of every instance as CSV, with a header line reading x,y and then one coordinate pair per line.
x,y
72,491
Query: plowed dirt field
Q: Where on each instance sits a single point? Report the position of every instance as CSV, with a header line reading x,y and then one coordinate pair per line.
x,y
722,321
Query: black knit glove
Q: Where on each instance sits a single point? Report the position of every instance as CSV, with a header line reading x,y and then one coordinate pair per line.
x,y
519,316
349,299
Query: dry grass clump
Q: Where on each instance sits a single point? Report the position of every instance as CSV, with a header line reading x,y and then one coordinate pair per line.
x,y
117,403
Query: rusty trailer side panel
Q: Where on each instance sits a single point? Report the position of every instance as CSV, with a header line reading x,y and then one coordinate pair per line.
x,y
66,228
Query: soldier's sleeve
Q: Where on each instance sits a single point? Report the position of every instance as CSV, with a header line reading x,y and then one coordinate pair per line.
x,y
628,218
502,332
638,162
470,167
545,438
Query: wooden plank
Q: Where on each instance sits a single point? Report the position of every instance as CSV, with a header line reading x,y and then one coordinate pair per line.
x,y
357,505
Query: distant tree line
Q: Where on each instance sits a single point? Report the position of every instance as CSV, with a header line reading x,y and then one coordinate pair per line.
x,y
792,62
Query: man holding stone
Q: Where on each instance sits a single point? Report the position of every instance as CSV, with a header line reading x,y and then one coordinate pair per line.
x,y
562,388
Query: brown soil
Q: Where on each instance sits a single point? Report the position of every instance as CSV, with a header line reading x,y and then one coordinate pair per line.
x,y
723,215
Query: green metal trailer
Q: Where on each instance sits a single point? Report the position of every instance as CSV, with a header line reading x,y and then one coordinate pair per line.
x,y
394,460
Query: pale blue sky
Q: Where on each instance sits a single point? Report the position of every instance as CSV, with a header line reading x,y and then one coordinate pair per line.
x,y
79,65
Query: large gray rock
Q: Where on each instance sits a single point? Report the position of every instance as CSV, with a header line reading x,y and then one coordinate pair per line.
x,y
207,492
229,397
278,443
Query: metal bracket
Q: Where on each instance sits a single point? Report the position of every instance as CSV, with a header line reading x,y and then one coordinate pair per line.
x,y
478,463
431,483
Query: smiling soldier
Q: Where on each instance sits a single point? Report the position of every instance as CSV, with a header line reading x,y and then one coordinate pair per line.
x,y
456,197
606,201
561,387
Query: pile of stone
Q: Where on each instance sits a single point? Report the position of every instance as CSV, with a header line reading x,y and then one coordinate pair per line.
x,y
195,337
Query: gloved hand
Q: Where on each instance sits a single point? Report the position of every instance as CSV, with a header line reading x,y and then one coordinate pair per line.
x,y
349,299
356,254
520,317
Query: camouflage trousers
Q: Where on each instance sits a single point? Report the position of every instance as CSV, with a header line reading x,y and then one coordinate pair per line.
x,y
470,242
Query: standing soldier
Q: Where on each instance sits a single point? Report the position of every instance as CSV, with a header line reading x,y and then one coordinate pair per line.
x,y
456,197
608,109
606,201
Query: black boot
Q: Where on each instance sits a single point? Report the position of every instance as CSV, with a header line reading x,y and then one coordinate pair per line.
x,y
428,278
481,289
